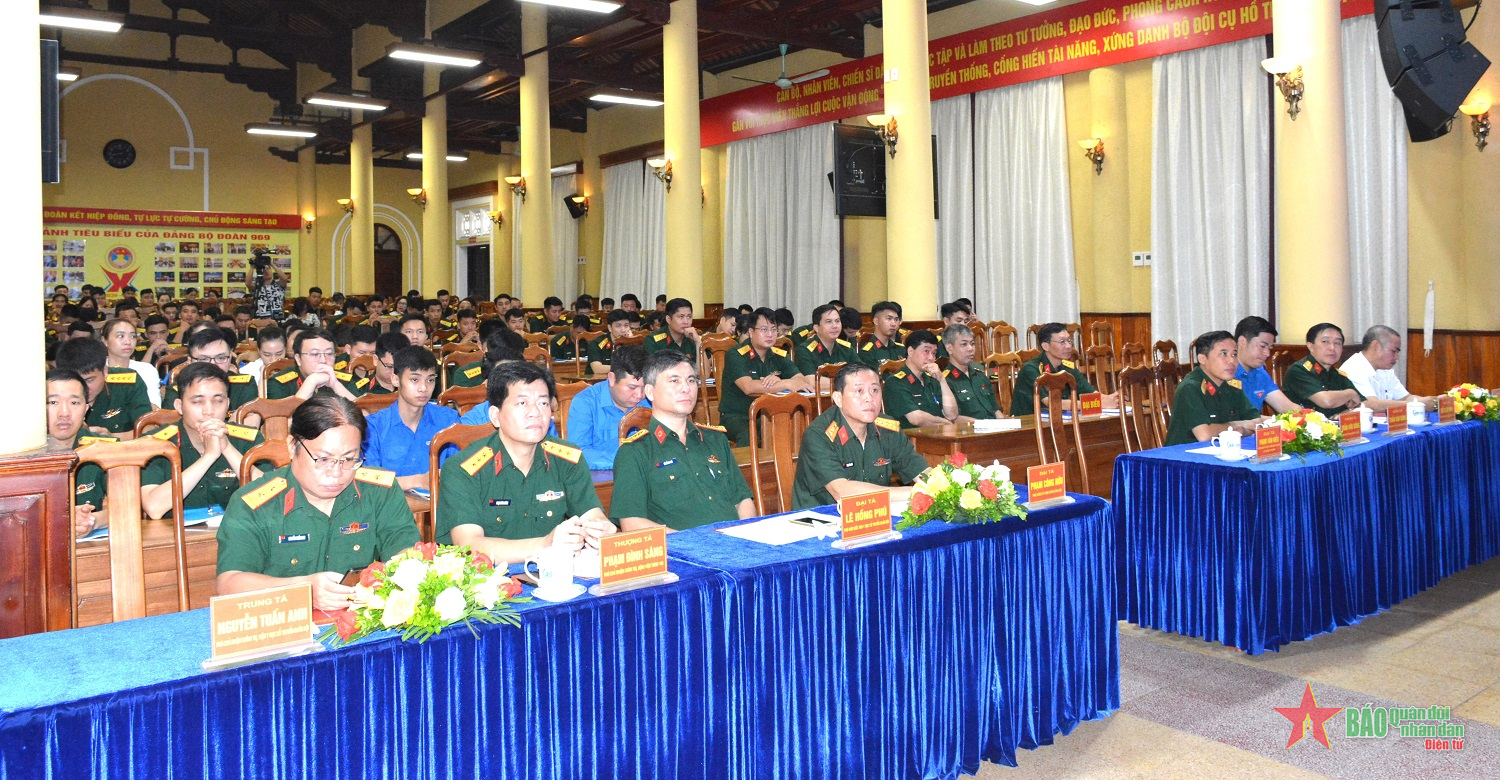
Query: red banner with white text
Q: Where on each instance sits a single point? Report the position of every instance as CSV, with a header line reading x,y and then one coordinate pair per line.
x,y
1064,40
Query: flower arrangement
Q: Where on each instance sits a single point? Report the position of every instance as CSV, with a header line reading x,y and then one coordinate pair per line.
x,y
1472,402
426,588
960,492
1306,430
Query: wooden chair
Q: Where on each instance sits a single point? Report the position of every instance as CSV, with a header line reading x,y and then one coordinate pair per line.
x,y
891,367
363,366
535,339
156,419
1002,369
276,367
565,393
1139,423
1102,334
1277,364
1075,332
122,463
710,394
831,371
1134,354
462,346
558,330
247,354
633,340
1165,350
1003,337
1169,375
463,398
783,343
1053,385
459,436
273,450
440,336
538,355
1034,337
453,362
1028,355
1100,362
275,416
262,324
370,403
169,359
634,420
785,418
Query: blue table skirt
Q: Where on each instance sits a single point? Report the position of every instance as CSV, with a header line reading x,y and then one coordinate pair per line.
x,y
908,659
1256,556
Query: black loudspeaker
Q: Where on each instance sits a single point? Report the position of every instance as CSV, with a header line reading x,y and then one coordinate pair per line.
x,y
1428,63
51,135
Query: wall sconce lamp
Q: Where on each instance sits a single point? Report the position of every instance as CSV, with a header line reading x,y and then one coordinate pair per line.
x,y
1479,121
347,205
1289,81
419,195
517,186
307,222
578,205
498,217
662,167
1093,149
885,124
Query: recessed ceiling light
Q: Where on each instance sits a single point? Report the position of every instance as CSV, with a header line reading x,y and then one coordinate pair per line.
x,y
346,101
273,128
625,99
449,158
579,5
81,19
436,54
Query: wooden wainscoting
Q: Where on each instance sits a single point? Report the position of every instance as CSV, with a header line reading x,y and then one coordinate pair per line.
x,y
1129,326
1457,356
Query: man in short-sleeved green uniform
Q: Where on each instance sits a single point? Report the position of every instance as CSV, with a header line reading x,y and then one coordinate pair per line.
x,y
120,402
973,391
1022,401
242,391
679,484
481,486
746,361
269,527
907,391
885,343
221,481
831,451
1307,377
814,353
1201,401
679,333
287,383
88,482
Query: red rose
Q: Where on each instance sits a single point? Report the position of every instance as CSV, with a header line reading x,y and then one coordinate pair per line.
x,y
988,490
511,588
426,549
957,460
1287,435
1463,392
1479,407
345,622
920,502
481,561
370,577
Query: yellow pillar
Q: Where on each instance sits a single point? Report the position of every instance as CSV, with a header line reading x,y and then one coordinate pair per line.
x,y
536,161
502,270
360,276
307,206
25,363
713,221
910,227
1312,193
1111,192
683,144
865,262
437,217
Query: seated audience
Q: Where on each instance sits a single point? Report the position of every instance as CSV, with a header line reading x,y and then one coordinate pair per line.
x,y
824,343
851,448
972,388
211,448
1057,355
117,396
67,406
595,414
1209,399
119,338
918,394
211,346
601,350
1254,338
314,352
754,369
679,333
885,343
399,437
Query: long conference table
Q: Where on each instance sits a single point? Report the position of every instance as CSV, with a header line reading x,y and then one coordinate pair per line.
x,y
913,658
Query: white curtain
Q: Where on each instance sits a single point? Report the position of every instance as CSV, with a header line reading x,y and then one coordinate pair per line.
x,y
952,124
1210,190
635,247
781,237
1023,230
1375,140
564,241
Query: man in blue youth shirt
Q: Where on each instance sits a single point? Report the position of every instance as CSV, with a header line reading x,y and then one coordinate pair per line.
x,y
1254,337
399,436
594,417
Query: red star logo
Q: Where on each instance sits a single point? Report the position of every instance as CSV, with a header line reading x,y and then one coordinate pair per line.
x,y
1308,715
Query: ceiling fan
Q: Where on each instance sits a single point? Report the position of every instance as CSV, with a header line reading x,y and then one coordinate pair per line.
x,y
782,82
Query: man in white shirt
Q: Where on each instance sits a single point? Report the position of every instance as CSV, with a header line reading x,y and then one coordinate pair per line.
x,y
1371,371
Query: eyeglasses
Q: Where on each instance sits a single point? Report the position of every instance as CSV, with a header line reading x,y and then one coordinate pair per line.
x,y
391,366
318,355
1060,342
765,329
329,465
219,360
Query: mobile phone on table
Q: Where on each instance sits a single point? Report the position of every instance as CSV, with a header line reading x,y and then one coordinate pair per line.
x,y
351,577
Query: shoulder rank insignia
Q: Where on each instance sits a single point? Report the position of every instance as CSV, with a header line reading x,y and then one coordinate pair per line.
x,y
374,476
240,379
887,423
832,430
84,440
569,454
477,460
287,377
341,365
605,344
1307,364
841,342
778,351
1342,372
1235,383
360,385
1068,364
123,378
1206,388
470,373
814,346
257,498
744,349
343,377
562,338
659,337
634,436
719,428
869,345
240,432
165,434
900,374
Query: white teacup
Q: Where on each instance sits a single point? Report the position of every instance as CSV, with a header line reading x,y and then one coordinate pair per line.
x,y
1416,413
1228,440
554,568
1366,419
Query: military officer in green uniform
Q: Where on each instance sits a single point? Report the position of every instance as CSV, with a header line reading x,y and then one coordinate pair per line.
x,y
754,369
567,346
918,393
1057,355
67,406
679,333
850,448
550,317
384,379
952,314
519,490
117,396
318,518
675,472
211,448
1210,400
210,347
971,388
1313,382
824,344
885,343
314,352
602,349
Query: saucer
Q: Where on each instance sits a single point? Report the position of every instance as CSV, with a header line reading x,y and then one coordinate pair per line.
x,y
1233,455
564,593
1415,424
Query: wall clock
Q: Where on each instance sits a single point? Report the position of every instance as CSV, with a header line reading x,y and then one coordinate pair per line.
x,y
119,153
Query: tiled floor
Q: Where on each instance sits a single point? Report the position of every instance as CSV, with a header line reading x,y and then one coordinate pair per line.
x,y
1191,709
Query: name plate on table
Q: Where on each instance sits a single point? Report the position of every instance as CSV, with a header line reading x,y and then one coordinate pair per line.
x,y
1267,443
260,625
1447,411
633,559
1349,427
865,519
1090,404
1047,485
1395,419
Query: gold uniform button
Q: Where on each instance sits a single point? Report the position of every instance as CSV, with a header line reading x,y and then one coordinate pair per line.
x,y
356,548
294,561
549,513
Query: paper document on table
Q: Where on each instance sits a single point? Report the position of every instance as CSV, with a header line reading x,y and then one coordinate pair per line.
x,y
782,530
995,426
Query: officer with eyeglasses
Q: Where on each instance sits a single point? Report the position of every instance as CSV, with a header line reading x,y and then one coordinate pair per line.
x,y
314,352
318,518
211,346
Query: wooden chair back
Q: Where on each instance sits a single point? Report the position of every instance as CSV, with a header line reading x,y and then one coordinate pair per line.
x,y
1075,332
539,356
891,366
363,366
633,340
442,335
1003,337
535,339
829,370
1139,409
463,398
634,420
1050,444
565,393
455,361
1169,375
1165,350
1028,355
1277,364
460,346
170,358
275,416
122,463
459,436
370,403
1134,354
156,419
246,354
273,450
1102,334
709,395
1002,369
1034,337
785,417
1100,362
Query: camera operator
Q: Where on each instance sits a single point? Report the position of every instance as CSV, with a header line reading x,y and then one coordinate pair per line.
x,y
268,287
